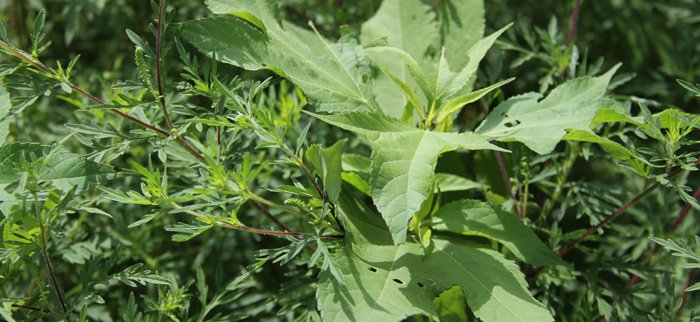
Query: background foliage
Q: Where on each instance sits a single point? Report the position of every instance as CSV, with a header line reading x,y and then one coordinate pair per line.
x,y
125,251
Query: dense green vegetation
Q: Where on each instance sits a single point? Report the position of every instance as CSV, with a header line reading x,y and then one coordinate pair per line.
x,y
420,160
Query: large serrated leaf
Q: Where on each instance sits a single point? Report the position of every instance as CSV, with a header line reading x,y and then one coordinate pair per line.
x,y
540,125
403,162
471,217
334,76
450,80
405,24
391,283
461,25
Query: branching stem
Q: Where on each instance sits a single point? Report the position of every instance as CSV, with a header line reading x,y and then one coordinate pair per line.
x,y
40,66
562,251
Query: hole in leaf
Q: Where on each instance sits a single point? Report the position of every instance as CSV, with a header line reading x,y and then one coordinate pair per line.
x,y
420,284
372,269
511,124
398,281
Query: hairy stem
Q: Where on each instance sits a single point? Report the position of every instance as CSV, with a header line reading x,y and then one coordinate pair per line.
x,y
270,216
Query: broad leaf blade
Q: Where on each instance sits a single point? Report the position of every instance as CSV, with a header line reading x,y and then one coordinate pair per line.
x,y
540,125
461,24
5,115
405,24
403,162
334,76
327,164
64,170
390,283
471,217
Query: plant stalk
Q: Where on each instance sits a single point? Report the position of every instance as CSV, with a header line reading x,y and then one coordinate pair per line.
x,y
45,255
159,72
562,251
36,64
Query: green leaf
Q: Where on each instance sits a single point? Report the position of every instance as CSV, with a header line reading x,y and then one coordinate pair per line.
x,y
540,125
327,165
403,162
356,162
334,76
458,102
445,182
38,31
185,232
693,88
452,306
410,26
5,116
134,274
62,169
476,218
357,181
391,283
449,81
616,150
461,25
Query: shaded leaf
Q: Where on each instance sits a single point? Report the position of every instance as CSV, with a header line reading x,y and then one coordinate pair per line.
x,y
476,218
391,283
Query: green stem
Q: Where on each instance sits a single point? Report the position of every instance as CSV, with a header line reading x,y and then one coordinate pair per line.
x,y
159,73
52,74
45,253
561,181
245,228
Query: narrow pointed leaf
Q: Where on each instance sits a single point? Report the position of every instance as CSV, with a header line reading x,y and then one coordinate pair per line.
x,y
458,102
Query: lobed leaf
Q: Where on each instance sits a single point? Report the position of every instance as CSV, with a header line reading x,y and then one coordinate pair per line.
x,y
391,283
540,125
334,76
